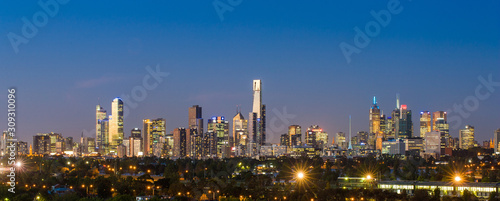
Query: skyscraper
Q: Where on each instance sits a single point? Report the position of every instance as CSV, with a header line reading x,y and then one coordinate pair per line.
x,y
425,123
316,137
240,132
405,124
295,133
153,130
467,137
101,128
374,117
340,140
220,127
496,138
116,124
438,115
257,118
195,126
179,142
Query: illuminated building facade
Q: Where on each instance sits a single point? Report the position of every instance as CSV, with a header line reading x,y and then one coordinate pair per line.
x,y
180,142
153,130
195,135
295,133
101,128
220,127
116,124
467,137
425,123
374,117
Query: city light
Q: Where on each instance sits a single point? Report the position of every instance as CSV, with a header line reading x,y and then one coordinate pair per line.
x,y
300,175
458,178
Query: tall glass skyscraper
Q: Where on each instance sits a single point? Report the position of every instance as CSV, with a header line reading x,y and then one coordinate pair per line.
x,y
101,129
425,123
116,124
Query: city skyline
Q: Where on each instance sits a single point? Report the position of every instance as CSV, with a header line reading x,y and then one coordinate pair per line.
x,y
84,57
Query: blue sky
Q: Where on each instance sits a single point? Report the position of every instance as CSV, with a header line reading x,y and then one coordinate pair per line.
x,y
431,53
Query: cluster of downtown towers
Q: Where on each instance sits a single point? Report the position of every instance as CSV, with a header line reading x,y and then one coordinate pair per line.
x,y
387,135
153,140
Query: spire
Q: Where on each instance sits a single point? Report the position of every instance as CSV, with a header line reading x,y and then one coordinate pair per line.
x,y
374,100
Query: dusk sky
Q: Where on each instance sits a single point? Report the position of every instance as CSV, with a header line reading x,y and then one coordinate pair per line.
x,y
431,53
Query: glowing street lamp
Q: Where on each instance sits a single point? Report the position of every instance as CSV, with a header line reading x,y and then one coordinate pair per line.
x,y
368,177
457,178
300,175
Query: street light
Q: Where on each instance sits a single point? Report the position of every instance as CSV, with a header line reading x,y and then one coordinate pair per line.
x,y
458,179
300,175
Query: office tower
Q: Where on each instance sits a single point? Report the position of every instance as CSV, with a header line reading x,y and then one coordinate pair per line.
x,y
433,143
195,125
180,142
425,123
316,137
116,124
295,133
374,117
467,137
340,140
133,145
363,137
210,144
136,133
240,132
436,116
284,140
257,118
443,128
87,145
393,147
169,144
68,142
41,143
383,123
152,131
405,125
496,140
101,129
220,127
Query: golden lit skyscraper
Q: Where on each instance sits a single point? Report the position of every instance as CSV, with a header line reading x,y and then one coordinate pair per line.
x,y
101,134
316,137
436,116
220,127
152,131
374,117
240,130
467,137
425,123
116,124
295,134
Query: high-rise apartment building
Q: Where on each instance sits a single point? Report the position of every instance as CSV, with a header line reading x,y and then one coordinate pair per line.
x,y
195,125
257,118
496,139
180,142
